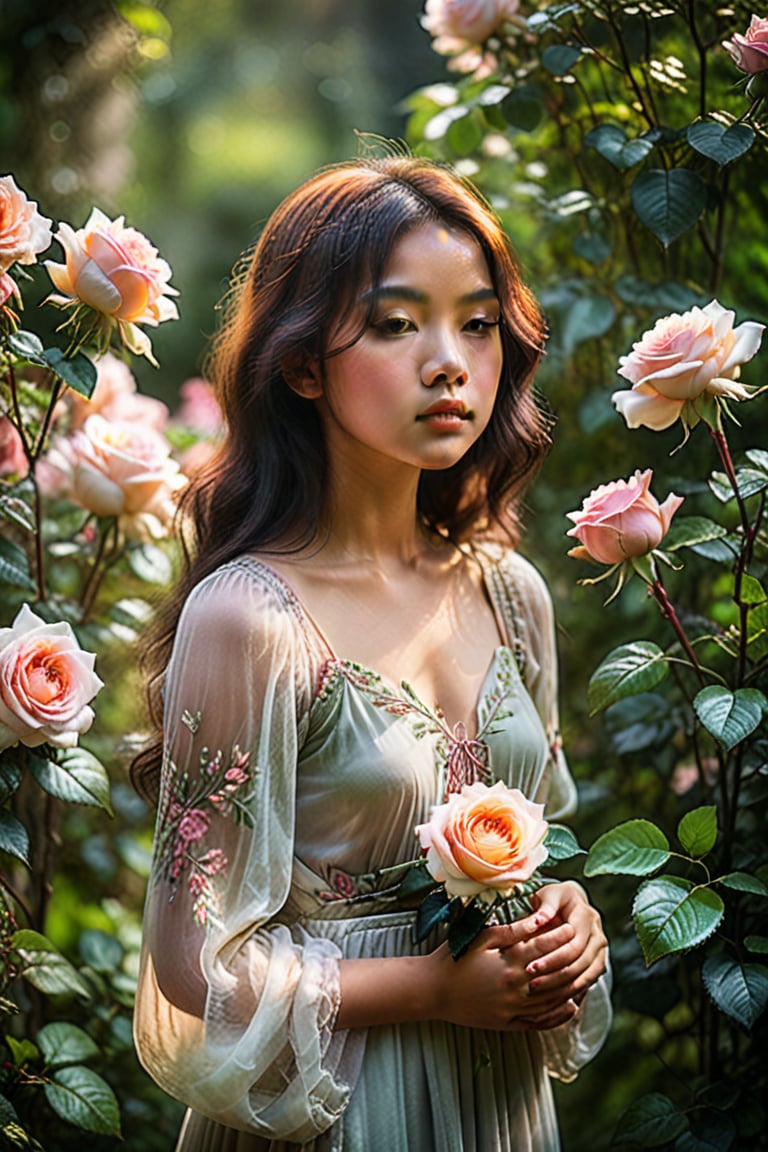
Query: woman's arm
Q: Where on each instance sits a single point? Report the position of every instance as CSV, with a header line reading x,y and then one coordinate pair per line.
x,y
529,974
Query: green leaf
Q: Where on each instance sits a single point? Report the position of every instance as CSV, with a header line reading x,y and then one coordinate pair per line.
x,y
689,530
611,142
80,1096
150,564
729,716
14,567
697,831
749,481
17,511
758,457
561,843
592,247
650,1122
669,202
744,882
77,372
715,1132
26,345
23,1051
101,951
634,848
757,944
466,927
465,136
752,591
433,910
739,990
719,143
671,915
62,1043
587,319
44,967
77,778
627,670
10,779
560,58
13,836
523,108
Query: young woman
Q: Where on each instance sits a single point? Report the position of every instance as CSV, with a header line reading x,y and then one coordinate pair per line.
x,y
355,634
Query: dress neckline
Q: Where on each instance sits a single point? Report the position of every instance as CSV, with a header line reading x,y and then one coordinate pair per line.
x,y
331,660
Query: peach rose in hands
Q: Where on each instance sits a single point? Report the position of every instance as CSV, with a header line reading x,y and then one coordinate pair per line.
x,y
680,358
622,519
123,469
455,24
24,233
750,52
484,838
116,271
46,683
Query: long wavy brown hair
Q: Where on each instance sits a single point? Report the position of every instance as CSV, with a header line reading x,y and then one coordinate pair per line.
x,y
325,244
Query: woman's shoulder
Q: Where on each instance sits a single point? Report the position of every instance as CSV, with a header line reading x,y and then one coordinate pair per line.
x,y
242,593
515,573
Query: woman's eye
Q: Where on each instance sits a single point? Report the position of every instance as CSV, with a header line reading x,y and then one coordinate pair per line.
x,y
393,326
481,324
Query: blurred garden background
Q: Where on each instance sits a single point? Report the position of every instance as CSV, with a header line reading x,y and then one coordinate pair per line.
x,y
625,149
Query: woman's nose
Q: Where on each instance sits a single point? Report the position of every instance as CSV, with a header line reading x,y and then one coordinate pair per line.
x,y
445,366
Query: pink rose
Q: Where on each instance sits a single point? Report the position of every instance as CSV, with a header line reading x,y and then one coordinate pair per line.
x,y
116,397
46,683
24,233
680,358
484,838
455,24
621,519
12,457
116,271
193,826
8,288
750,52
120,468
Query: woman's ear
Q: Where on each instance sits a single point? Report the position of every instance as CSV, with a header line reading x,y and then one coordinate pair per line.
x,y
302,374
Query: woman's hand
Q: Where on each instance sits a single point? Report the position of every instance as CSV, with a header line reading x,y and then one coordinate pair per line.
x,y
531,974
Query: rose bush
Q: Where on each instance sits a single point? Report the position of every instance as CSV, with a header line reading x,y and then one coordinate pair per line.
x,y
620,520
117,272
23,231
46,683
484,839
120,468
750,52
681,358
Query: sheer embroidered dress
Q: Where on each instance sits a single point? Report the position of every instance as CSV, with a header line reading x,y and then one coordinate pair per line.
x,y
291,779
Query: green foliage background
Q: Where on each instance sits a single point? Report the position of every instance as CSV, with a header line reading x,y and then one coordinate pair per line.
x,y
193,119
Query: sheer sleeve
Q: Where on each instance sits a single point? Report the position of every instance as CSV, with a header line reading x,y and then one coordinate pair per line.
x,y
235,1010
528,608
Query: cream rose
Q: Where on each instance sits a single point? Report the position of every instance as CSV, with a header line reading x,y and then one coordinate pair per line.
x,y
622,519
455,24
121,468
484,839
24,233
682,357
46,683
750,52
116,271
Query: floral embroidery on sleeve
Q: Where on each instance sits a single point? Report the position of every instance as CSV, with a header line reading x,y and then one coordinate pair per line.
x,y
192,801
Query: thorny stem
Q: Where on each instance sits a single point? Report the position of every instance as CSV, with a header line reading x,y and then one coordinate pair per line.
x,y
669,613
639,95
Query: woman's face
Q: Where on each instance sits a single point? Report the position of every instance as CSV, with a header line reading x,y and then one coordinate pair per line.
x,y
418,387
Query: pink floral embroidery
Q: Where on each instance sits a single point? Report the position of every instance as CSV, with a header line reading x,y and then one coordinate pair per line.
x,y
190,807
